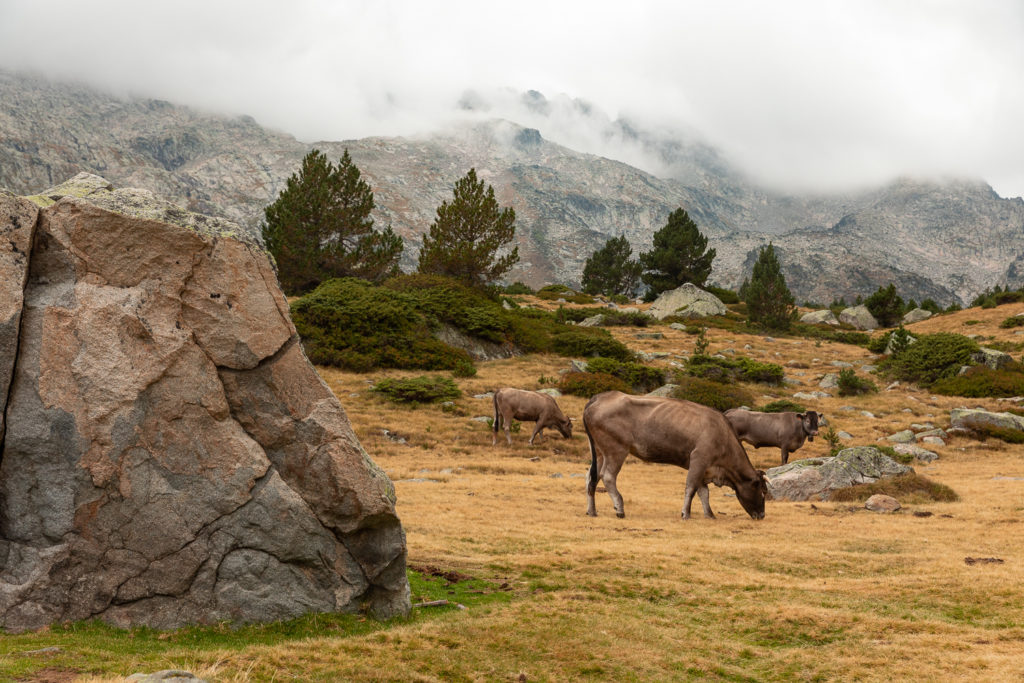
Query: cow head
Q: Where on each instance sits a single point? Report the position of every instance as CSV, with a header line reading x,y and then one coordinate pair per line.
x,y
751,494
565,427
810,423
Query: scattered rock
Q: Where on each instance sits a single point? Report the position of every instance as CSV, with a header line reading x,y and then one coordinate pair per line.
x,y
488,395
829,381
577,366
649,335
664,390
688,301
882,503
906,436
933,441
918,452
811,396
859,317
553,393
844,436
592,321
996,360
841,364
820,317
166,676
982,560
916,316
867,413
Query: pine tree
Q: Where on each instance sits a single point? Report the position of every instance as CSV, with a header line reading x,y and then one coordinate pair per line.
x,y
609,270
464,240
885,305
320,227
769,301
679,255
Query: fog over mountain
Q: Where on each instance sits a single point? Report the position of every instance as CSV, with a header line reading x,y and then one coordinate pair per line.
x,y
944,240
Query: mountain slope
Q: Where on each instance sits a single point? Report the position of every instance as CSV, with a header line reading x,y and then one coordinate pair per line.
x,y
946,241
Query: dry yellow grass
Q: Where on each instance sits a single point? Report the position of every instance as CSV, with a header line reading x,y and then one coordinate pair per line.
x,y
821,591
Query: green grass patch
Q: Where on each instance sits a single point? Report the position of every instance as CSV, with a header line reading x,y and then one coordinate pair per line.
x,y
739,369
712,394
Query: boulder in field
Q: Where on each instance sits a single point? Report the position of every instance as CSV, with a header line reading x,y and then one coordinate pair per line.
x,y
858,316
825,317
170,456
688,301
816,478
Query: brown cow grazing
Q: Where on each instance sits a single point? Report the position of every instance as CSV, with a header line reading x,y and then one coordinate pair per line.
x,y
673,432
785,430
531,406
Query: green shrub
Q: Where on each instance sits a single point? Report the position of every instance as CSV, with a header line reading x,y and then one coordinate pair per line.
x,y
734,370
576,315
712,394
782,405
933,357
353,324
905,458
983,382
464,369
885,305
879,343
852,385
627,318
588,384
423,389
517,288
620,299
726,296
589,342
641,378
1012,321
556,292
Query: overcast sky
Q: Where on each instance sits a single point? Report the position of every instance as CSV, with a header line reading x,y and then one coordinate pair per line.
x,y
803,94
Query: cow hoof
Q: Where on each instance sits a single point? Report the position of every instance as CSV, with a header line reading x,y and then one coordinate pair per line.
x,y
620,515
591,514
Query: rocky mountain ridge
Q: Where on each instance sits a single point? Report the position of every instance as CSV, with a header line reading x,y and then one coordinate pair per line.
x,y
944,240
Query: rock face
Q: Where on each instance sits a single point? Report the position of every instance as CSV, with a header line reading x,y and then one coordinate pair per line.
x,y
688,301
170,456
816,478
858,316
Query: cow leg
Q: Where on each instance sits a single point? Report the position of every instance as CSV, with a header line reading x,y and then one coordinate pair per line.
x,y
592,477
537,430
785,456
695,484
609,474
506,418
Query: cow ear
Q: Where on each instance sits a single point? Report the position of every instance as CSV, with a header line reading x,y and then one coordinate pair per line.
x,y
802,416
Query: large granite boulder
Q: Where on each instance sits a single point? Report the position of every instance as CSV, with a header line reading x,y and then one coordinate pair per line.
x,y
688,301
170,456
816,478
992,358
915,316
858,316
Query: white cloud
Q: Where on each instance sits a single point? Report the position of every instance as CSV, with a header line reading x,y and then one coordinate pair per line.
x,y
809,94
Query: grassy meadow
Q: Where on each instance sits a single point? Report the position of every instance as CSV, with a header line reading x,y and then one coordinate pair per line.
x,y
815,591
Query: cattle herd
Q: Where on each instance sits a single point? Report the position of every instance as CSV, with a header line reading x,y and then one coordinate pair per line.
x,y
699,439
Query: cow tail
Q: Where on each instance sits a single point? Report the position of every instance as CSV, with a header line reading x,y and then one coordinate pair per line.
x,y
494,399
592,476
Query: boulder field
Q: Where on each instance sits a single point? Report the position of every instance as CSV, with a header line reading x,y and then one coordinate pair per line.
x,y
168,455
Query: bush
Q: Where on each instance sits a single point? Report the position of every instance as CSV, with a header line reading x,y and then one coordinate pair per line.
x,y
782,405
588,384
712,394
933,357
423,389
627,318
641,378
1001,433
588,343
576,315
353,324
734,370
726,296
880,343
983,382
556,292
1012,321
909,488
852,385
517,288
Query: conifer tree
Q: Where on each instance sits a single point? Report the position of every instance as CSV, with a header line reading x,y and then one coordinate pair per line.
x,y
769,301
610,270
885,305
465,237
679,255
320,227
